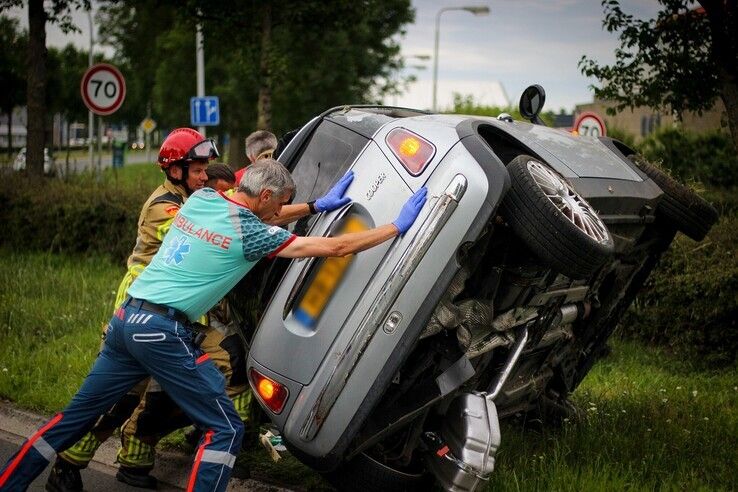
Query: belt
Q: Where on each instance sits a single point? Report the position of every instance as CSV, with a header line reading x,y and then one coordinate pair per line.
x,y
167,311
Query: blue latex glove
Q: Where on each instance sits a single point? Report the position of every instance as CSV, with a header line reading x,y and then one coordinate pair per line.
x,y
410,210
334,198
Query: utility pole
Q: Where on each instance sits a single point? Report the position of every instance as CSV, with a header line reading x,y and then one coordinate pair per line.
x,y
200,57
91,117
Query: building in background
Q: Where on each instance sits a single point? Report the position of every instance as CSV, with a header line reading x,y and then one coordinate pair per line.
x,y
642,121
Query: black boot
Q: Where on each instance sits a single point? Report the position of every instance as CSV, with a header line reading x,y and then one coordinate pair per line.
x,y
64,477
136,477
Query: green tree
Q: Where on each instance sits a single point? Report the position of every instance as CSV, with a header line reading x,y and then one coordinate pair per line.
x,y
65,70
12,71
681,61
59,12
273,64
133,28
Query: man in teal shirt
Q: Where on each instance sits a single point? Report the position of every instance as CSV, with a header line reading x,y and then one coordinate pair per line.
x,y
214,241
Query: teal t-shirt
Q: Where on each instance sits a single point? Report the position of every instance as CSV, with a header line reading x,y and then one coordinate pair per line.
x,y
212,244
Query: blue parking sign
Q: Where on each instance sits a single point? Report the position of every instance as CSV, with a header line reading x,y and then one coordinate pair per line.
x,y
204,111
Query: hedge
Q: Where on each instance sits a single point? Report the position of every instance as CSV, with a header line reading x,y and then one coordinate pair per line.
x,y
72,217
690,302
709,158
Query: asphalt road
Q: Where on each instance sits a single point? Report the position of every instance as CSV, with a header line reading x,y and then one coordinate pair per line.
x,y
82,163
96,477
172,467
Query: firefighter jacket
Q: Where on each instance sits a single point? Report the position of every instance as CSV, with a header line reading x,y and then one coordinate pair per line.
x,y
156,217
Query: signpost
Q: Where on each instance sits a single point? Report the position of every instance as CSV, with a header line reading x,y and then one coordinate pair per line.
x,y
148,125
204,111
590,124
103,89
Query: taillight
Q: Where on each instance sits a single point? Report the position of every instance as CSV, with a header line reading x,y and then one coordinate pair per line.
x,y
414,151
273,394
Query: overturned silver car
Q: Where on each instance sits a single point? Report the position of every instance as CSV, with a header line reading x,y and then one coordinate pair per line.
x,y
393,366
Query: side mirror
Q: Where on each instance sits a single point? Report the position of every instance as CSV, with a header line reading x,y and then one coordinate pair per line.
x,y
531,103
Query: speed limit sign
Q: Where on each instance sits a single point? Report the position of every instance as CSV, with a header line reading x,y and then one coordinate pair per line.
x,y
590,124
103,89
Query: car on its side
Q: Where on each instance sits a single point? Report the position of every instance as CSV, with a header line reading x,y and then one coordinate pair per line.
x,y
394,365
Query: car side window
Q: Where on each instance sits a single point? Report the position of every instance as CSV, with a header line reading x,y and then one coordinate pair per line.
x,y
326,157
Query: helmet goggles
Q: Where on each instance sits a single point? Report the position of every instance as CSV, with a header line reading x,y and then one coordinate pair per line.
x,y
204,150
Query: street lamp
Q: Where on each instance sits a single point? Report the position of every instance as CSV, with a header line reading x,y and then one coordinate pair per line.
x,y
474,9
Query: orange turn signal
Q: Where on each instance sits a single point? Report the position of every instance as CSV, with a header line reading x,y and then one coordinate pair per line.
x,y
273,394
411,149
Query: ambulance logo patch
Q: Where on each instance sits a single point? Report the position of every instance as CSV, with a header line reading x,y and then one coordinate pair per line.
x,y
176,251
172,211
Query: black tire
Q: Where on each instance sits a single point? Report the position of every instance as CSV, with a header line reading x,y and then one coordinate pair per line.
x,y
680,207
369,475
546,230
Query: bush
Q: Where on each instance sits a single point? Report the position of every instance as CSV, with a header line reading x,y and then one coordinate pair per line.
x,y
70,217
708,157
690,302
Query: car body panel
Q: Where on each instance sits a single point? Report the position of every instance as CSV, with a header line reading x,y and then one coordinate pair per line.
x,y
444,137
571,155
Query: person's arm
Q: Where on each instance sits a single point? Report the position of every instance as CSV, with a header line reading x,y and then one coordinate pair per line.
x,y
354,242
342,245
290,213
334,199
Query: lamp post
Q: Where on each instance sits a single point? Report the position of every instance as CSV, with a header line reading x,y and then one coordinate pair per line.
x,y
474,9
200,61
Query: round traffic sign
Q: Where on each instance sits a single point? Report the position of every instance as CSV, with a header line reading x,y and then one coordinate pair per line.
x,y
590,124
103,89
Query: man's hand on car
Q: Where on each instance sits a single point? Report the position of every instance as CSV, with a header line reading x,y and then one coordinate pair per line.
x,y
335,197
410,210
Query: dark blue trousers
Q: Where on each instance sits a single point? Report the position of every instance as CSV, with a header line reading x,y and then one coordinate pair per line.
x,y
140,343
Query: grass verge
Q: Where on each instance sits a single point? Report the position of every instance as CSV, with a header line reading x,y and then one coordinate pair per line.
x,y
648,420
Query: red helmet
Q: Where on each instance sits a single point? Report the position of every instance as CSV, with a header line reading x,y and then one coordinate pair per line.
x,y
186,144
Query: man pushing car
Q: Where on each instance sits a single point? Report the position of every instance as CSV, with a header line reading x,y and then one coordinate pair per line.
x,y
150,334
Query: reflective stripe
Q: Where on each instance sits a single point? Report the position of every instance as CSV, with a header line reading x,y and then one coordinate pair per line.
x,y
44,449
149,337
198,459
147,319
219,457
22,453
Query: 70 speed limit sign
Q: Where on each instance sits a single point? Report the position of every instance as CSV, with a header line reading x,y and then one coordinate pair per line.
x,y
103,89
590,124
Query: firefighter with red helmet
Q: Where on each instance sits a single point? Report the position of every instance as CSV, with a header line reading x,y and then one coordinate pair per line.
x,y
183,157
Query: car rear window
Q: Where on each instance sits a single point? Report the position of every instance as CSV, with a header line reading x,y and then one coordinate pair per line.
x,y
327,156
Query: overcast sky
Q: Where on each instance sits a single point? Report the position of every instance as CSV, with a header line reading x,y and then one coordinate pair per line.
x,y
521,42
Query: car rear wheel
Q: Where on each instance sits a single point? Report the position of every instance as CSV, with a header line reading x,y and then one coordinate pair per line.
x,y
553,220
680,207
